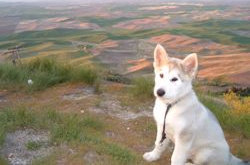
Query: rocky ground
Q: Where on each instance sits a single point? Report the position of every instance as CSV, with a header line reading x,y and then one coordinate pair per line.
x,y
130,124
18,147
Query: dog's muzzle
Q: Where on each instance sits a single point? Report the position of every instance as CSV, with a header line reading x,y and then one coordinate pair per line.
x,y
160,92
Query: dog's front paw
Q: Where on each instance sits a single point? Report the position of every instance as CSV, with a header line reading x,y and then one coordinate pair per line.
x,y
151,156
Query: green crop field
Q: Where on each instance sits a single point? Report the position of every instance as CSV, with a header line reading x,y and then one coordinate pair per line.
x,y
220,31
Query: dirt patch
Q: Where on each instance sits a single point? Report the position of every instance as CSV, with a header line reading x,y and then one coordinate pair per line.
x,y
79,93
92,157
111,106
3,98
17,151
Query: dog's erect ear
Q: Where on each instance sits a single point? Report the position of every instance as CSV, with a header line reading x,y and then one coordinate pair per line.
x,y
160,56
190,64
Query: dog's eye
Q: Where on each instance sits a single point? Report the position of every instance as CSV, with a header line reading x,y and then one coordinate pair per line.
x,y
161,75
174,79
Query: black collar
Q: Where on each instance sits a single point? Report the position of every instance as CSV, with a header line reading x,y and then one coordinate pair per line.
x,y
169,106
163,134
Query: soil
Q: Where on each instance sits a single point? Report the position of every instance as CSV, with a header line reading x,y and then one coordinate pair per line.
x,y
131,128
15,146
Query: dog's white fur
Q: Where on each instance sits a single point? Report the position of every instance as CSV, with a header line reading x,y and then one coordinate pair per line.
x,y
193,129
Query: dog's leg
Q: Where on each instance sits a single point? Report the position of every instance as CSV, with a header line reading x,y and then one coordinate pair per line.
x,y
180,154
159,147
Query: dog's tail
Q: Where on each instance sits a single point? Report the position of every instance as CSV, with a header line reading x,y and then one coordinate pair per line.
x,y
237,161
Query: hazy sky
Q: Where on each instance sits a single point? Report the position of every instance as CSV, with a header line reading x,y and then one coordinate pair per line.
x,y
20,0
100,1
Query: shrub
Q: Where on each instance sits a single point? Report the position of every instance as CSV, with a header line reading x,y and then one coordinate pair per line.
x,y
239,91
44,72
142,88
9,73
237,104
83,74
230,120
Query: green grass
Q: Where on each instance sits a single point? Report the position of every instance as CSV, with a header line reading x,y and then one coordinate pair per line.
x,y
44,72
64,128
228,120
3,161
142,88
33,145
7,44
71,128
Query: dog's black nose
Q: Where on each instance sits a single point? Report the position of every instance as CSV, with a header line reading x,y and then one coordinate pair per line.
x,y
160,92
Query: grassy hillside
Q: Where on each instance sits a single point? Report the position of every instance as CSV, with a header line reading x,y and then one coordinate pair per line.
x,y
65,128
56,42
44,73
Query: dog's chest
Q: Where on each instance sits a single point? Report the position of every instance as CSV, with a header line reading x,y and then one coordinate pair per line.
x,y
169,129
171,121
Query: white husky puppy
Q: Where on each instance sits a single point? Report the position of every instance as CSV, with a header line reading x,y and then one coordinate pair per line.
x,y
194,130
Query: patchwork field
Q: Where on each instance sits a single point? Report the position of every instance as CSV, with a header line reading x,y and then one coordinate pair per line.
x,y
132,30
235,67
146,23
53,23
